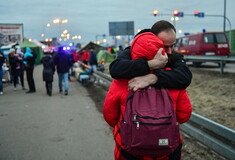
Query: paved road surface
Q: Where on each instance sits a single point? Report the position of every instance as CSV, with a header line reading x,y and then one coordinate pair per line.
x,y
38,127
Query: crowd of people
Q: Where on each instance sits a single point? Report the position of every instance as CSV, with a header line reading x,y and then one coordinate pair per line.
x,y
20,61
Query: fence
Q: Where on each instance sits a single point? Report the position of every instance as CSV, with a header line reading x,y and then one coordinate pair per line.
x,y
218,59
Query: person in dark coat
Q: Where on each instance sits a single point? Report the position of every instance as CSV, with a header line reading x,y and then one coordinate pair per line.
x,y
16,64
93,59
21,72
62,60
71,65
48,71
2,61
29,61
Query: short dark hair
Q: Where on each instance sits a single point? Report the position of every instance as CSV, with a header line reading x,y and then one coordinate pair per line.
x,y
162,25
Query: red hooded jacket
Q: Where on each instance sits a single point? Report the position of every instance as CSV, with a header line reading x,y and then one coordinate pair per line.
x,y
85,55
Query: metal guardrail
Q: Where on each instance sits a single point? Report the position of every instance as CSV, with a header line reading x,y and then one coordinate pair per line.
x,y
219,59
217,137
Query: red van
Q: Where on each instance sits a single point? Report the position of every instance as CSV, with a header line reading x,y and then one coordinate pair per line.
x,y
206,43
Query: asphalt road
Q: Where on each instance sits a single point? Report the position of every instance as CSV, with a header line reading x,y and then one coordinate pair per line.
x,y
38,127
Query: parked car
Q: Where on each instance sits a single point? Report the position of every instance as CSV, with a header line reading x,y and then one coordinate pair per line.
x,y
205,43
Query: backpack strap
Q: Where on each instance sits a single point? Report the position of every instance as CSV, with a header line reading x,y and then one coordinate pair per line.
x,y
176,155
130,95
127,155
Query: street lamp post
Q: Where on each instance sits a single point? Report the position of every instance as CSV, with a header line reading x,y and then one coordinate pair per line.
x,y
58,21
224,15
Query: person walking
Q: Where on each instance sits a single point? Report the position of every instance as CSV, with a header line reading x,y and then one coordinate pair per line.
x,y
120,50
93,59
145,45
71,65
21,71
48,71
29,61
85,58
16,63
62,61
2,61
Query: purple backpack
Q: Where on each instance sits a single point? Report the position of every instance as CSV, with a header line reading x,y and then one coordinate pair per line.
x,y
149,126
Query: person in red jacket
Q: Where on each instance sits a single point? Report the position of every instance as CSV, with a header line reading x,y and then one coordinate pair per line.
x,y
144,45
85,57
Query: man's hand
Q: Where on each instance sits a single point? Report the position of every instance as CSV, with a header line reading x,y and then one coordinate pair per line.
x,y
159,61
142,82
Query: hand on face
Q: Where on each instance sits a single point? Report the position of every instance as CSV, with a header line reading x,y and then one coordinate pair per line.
x,y
159,61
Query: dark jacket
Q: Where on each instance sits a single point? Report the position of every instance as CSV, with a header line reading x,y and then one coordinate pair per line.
x,y
16,64
178,78
93,59
62,60
48,68
29,58
2,59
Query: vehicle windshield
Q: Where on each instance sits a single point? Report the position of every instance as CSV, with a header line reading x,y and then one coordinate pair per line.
x,y
214,38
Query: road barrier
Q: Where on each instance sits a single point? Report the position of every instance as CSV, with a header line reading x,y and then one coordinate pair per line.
x,y
218,59
217,137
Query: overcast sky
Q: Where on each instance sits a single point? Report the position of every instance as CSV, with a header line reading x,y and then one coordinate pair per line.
x,y
89,18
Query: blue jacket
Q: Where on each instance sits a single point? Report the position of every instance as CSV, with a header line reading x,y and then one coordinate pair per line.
x,y
27,55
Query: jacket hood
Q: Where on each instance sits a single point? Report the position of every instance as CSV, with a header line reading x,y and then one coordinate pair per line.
x,y
28,49
28,53
145,45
